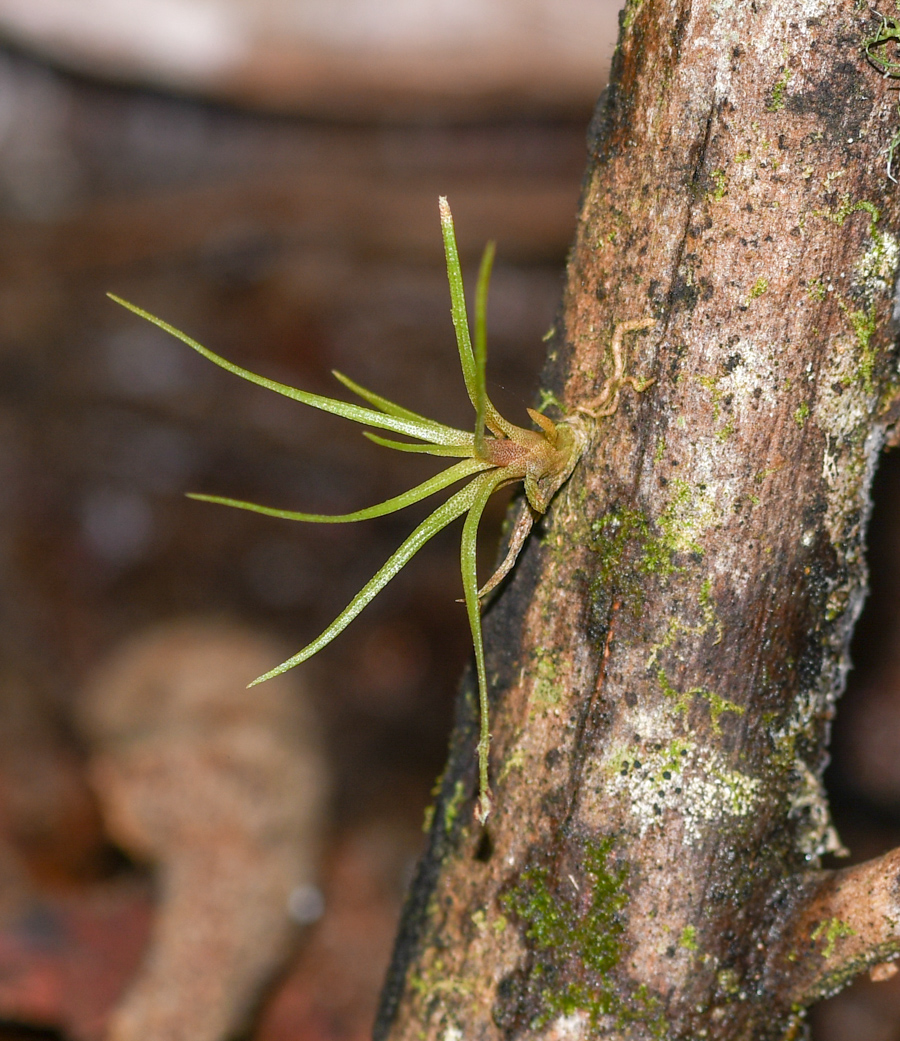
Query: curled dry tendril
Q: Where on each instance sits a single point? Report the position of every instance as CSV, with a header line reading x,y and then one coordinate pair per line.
x,y
881,51
543,459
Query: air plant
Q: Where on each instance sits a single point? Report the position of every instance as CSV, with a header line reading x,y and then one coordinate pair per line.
x,y
543,459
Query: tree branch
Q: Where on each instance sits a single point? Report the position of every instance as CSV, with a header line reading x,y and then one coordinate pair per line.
x,y
842,923
665,661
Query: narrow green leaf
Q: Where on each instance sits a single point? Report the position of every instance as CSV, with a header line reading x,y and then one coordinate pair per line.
x,y
454,507
425,430
434,484
481,292
387,406
484,486
457,298
495,422
462,451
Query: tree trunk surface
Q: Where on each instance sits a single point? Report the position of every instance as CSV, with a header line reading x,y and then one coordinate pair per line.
x,y
665,660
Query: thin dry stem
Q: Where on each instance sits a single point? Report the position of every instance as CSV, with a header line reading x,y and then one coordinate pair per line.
x,y
607,401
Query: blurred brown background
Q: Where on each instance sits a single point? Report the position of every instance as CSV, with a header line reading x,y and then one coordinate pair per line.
x,y
265,177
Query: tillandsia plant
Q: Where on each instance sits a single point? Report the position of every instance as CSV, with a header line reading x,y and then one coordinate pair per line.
x,y
497,453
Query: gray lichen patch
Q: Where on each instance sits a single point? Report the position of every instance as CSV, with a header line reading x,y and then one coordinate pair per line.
x,y
842,405
682,780
813,832
845,389
569,1027
816,835
842,411
751,376
876,270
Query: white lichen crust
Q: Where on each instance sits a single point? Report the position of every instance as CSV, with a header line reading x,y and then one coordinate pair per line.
x,y
681,779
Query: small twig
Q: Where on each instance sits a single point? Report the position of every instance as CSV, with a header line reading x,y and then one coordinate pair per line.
x,y
843,923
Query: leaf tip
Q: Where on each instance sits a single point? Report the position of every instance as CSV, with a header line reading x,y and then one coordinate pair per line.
x,y
277,671
483,808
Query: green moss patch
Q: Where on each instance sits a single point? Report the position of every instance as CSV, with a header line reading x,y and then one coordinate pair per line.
x,y
575,943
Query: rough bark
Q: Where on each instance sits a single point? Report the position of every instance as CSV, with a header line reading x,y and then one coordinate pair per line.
x,y
666,658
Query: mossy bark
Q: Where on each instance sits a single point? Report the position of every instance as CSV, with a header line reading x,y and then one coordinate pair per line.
x,y
664,661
